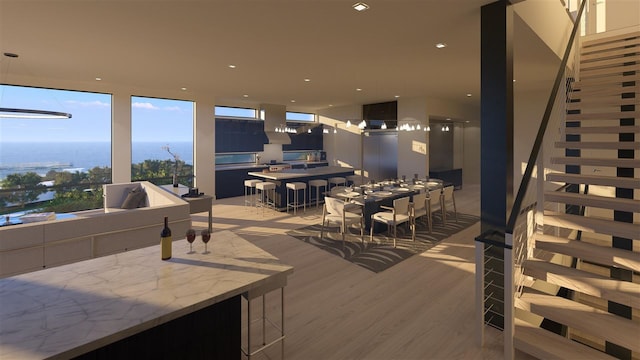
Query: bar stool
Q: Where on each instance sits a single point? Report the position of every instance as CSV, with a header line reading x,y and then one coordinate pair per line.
x,y
353,180
317,184
263,190
296,187
250,191
334,181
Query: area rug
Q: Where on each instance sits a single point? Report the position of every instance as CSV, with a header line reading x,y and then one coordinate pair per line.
x,y
380,254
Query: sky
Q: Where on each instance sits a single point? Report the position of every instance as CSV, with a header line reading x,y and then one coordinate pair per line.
x,y
157,120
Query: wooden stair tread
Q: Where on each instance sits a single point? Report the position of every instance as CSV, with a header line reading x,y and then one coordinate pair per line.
x,y
613,328
619,79
608,61
615,115
607,256
614,70
613,162
602,129
617,40
604,202
604,90
610,53
544,344
592,224
628,183
601,102
622,292
611,145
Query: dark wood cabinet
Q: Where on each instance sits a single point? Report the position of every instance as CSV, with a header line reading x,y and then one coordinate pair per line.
x,y
234,135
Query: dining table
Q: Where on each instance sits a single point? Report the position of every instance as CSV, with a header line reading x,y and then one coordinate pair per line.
x,y
371,197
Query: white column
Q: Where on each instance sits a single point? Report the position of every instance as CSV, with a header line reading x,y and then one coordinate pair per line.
x,y
121,137
413,146
204,145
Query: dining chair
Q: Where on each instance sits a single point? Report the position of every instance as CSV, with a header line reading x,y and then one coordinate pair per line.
x,y
448,199
398,214
434,204
337,211
419,208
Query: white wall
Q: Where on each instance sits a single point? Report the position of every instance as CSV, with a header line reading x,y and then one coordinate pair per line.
x,y
622,14
413,146
345,147
549,20
204,144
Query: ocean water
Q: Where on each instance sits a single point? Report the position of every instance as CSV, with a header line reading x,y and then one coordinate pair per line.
x,y
18,157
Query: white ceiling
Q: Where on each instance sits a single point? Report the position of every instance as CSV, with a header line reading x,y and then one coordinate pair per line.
x,y
387,51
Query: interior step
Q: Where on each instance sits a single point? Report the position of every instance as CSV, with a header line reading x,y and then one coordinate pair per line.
x,y
610,53
592,224
599,102
610,42
544,344
605,162
622,292
597,201
605,90
621,182
605,145
615,115
614,70
607,256
610,327
617,60
602,129
619,79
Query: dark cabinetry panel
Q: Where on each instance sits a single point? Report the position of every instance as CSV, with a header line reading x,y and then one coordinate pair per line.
x,y
305,140
239,135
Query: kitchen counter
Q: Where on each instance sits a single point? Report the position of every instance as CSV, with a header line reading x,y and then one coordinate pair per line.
x,y
87,306
319,172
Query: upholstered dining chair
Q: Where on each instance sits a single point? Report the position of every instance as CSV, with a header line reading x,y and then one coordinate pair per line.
x,y
434,204
398,214
337,211
448,199
419,208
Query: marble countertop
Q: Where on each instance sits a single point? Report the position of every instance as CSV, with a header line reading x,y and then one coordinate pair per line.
x,y
300,173
68,310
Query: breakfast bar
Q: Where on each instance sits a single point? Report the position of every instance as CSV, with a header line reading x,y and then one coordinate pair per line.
x,y
134,305
281,178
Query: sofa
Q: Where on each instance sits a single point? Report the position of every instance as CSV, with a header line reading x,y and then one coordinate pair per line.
x,y
89,234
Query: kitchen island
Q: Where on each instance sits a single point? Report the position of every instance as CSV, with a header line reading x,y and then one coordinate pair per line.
x,y
281,178
134,305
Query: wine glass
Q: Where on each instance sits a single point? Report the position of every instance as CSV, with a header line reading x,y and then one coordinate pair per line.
x,y
191,236
206,235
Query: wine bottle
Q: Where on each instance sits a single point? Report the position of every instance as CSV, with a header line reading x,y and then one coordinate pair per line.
x,y
165,240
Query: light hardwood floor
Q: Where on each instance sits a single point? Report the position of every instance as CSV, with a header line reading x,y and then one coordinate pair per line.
x,y
422,308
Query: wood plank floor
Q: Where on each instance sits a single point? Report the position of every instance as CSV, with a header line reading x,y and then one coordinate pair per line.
x,y
422,308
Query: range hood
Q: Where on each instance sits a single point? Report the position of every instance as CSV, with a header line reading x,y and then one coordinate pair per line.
x,y
274,116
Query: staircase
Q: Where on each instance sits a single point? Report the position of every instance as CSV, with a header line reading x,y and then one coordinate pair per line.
x,y
581,289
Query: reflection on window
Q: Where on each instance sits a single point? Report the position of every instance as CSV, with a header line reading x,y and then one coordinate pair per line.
x,y
226,111
54,165
240,158
297,116
161,140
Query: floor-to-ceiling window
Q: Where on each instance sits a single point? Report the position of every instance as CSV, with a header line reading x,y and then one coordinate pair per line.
x,y
161,140
54,164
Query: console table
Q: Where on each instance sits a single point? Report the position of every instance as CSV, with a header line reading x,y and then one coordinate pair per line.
x,y
134,305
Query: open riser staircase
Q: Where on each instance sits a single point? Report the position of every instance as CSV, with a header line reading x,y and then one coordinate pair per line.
x,y
581,295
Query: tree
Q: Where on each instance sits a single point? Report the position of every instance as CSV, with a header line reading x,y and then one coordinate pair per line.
x,y
24,188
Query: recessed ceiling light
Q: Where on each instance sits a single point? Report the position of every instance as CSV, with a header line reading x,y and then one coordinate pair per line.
x,y
245,95
397,96
441,45
293,100
469,95
358,89
307,80
183,89
98,79
448,119
232,66
360,6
